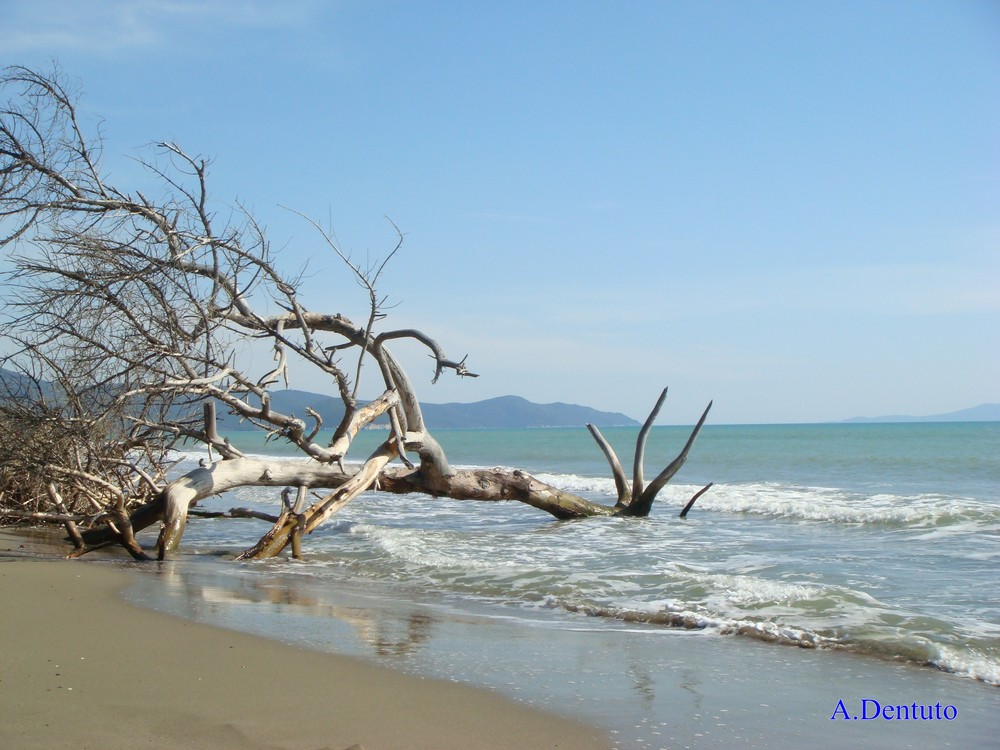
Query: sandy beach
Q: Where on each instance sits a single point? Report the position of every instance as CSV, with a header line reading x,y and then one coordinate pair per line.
x,y
81,668
267,658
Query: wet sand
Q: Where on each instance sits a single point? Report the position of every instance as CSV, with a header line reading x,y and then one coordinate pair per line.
x,y
407,673
81,668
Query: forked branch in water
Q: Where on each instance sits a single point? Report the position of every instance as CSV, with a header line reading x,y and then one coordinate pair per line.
x,y
638,499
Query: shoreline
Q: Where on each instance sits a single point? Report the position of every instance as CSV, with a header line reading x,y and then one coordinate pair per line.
x,y
633,687
83,668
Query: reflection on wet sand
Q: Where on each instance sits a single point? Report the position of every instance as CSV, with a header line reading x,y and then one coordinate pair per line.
x,y
396,636
387,628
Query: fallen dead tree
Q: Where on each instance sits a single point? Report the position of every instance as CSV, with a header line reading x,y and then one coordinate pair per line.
x,y
124,316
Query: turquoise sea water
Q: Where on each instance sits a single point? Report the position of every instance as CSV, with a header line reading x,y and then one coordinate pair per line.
x,y
871,541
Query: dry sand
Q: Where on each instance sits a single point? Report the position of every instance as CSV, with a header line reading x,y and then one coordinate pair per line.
x,y
80,668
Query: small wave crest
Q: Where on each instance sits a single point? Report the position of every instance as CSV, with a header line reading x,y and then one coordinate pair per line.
x,y
423,549
838,506
969,663
919,651
691,620
820,504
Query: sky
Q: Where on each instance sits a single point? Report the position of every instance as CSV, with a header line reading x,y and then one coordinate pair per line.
x,y
792,208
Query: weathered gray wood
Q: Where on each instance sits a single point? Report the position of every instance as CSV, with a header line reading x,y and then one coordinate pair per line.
x,y
640,446
645,501
621,481
290,527
691,502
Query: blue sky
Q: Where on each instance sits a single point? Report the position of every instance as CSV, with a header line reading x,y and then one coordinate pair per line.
x,y
792,208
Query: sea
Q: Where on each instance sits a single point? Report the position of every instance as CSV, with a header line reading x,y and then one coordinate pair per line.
x,y
829,561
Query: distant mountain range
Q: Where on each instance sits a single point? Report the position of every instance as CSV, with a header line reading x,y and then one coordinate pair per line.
x,y
981,413
501,413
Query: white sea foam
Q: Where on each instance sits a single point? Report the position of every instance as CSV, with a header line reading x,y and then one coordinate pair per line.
x,y
670,614
968,664
424,548
751,591
838,506
602,486
824,504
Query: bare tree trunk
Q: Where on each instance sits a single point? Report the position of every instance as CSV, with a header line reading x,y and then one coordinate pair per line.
x,y
494,485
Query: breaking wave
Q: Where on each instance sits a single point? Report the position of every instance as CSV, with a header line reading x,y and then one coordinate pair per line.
x,y
820,504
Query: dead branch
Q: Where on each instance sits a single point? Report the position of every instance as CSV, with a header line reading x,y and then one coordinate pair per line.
x,y
690,503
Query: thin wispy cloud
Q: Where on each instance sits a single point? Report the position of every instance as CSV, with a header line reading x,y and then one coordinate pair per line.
x,y
69,26
106,28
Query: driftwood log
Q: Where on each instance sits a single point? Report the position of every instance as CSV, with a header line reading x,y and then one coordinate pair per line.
x,y
431,476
